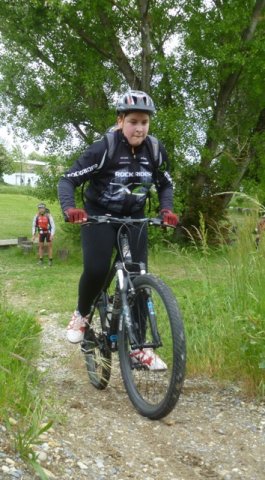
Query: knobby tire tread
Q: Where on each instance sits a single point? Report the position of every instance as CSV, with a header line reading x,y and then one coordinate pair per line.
x,y
172,394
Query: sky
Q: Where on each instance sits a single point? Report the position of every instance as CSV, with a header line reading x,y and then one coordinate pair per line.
x,y
10,140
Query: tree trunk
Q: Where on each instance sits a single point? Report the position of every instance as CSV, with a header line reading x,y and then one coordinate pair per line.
x,y
146,45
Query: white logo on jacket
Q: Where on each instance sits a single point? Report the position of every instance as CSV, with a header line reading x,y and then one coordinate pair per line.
x,y
133,174
79,173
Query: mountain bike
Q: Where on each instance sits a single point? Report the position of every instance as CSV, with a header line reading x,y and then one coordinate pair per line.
x,y
138,312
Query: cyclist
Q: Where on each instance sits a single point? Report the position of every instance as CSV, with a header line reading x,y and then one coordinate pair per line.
x,y
44,225
119,186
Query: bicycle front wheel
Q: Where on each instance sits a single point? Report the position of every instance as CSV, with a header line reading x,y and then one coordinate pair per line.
x,y
153,389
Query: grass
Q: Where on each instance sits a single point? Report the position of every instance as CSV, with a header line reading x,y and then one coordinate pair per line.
x,y
38,288
17,212
19,349
26,279
222,298
21,406
220,293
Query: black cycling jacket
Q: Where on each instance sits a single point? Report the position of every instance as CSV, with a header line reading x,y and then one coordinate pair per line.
x,y
119,185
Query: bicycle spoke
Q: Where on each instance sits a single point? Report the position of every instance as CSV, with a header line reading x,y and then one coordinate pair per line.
x,y
154,392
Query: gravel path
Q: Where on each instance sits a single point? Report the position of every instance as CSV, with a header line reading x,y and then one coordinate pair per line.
x,y
212,433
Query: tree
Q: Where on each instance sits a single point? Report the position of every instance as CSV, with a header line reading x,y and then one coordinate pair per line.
x,y
6,163
63,63
233,100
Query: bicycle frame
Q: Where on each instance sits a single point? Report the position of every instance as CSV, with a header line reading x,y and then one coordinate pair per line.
x,y
120,268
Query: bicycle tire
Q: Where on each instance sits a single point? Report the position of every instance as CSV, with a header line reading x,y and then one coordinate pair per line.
x,y
98,358
154,394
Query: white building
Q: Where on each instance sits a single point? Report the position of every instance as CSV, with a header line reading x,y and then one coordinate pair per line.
x,y
28,178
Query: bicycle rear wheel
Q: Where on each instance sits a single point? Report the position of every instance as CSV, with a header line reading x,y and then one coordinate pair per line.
x,y
96,349
157,322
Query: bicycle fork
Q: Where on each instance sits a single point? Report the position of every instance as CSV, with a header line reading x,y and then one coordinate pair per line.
x,y
125,314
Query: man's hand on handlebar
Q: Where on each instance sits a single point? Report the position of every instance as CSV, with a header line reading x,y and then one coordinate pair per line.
x,y
169,218
76,215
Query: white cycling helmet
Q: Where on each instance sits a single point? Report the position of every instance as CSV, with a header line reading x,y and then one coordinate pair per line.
x,y
135,100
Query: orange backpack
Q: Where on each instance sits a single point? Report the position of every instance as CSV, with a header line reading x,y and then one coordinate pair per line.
x,y
43,223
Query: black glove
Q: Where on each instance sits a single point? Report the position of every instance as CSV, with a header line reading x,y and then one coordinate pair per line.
x,y
76,215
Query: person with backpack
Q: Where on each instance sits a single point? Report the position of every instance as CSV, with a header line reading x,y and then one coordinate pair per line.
x,y
43,225
121,168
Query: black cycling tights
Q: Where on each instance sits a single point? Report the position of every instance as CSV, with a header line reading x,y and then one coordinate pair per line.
x,y
98,242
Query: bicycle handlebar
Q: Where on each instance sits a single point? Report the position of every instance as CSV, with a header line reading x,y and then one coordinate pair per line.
x,y
122,220
126,220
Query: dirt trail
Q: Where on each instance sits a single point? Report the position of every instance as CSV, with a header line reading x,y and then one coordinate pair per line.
x,y
212,432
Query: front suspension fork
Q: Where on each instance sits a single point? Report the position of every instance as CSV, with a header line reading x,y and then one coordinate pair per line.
x,y
125,313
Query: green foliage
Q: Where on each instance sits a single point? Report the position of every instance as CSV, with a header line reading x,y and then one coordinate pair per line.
x,y
224,46
247,303
19,349
63,63
48,178
221,294
47,184
21,404
6,163
27,439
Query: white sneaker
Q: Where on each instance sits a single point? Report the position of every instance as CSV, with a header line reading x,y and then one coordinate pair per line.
x,y
148,358
76,328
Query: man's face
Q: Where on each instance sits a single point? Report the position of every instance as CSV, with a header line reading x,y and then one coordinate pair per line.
x,y
41,210
135,127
